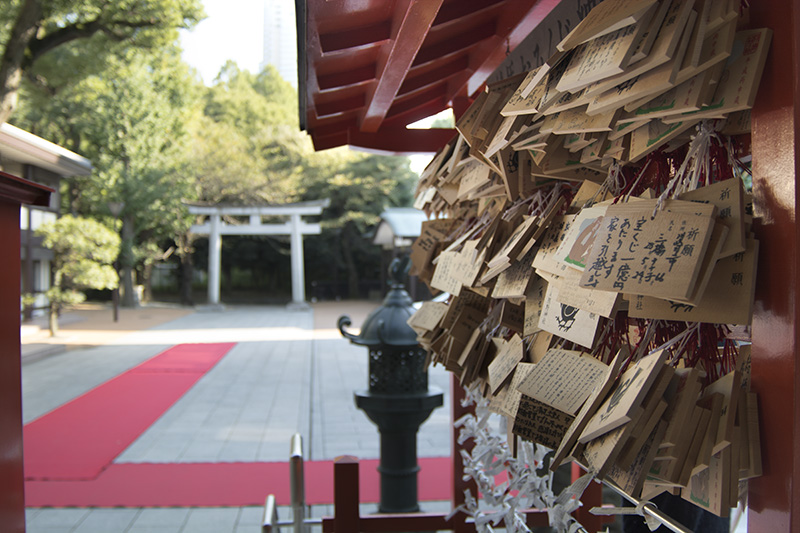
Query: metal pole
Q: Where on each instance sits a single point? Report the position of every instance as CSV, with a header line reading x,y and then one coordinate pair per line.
x,y
270,522
298,484
649,509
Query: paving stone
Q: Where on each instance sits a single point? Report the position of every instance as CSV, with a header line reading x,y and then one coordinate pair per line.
x,y
107,520
251,516
161,517
212,519
68,518
153,529
47,529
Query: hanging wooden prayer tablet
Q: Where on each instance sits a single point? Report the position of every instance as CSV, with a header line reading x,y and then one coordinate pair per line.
x,y
577,243
626,397
728,298
589,407
564,379
540,423
639,252
728,197
608,16
504,362
571,323
534,299
632,477
513,395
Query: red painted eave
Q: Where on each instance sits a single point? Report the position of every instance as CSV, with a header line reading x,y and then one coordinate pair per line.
x,y
371,67
19,190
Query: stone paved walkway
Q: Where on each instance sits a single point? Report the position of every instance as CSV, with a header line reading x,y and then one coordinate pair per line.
x,y
291,371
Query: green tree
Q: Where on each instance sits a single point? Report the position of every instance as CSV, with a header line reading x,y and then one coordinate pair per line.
x,y
359,189
130,121
83,253
257,115
30,30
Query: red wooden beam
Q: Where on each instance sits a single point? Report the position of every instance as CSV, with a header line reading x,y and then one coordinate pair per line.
x,y
464,40
401,141
330,141
23,191
433,76
346,78
12,479
511,26
354,38
411,22
454,11
435,93
336,107
331,126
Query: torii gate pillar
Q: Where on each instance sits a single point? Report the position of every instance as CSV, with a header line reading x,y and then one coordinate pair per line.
x,y
214,259
298,271
215,228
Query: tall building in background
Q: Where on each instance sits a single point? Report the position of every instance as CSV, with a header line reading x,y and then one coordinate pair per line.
x,y
280,38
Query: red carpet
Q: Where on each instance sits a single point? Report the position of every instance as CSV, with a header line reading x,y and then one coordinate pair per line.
x,y
69,451
220,484
81,438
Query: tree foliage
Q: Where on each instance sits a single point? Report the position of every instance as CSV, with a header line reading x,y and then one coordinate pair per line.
x,y
256,115
83,253
359,187
30,30
130,120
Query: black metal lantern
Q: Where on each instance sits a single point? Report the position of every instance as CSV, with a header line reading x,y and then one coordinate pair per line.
x,y
398,400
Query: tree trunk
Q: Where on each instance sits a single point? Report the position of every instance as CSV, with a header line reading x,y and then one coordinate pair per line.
x,y
25,27
185,281
54,297
126,278
147,281
186,273
52,319
126,262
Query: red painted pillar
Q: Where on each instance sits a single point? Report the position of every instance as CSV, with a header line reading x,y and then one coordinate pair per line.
x,y
13,192
345,494
775,497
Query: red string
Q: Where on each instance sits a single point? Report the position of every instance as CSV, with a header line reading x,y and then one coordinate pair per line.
x,y
707,347
616,335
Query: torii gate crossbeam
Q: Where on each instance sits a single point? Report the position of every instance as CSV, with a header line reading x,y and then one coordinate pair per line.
x,y
295,228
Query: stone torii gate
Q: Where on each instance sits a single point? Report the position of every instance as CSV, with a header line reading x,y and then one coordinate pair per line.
x,y
295,227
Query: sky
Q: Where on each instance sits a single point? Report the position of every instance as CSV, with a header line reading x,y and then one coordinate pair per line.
x,y
233,30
